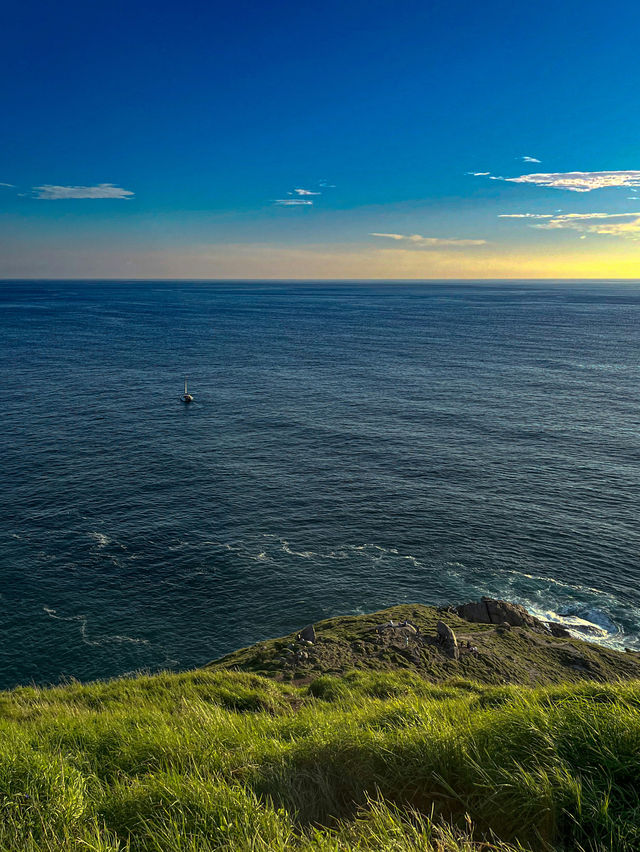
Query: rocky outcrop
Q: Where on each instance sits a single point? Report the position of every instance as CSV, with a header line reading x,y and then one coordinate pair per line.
x,y
447,640
559,631
492,611
307,634
475,611
409,636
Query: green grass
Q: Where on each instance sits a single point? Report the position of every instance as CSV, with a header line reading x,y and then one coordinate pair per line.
x,y
214,760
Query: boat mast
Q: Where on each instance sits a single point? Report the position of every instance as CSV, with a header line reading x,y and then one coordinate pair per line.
x,y
185,385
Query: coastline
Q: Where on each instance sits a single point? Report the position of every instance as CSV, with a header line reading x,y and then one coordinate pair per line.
x,y
410,728
489,641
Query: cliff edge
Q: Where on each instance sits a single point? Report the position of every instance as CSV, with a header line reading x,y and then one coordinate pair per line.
x,y
489,641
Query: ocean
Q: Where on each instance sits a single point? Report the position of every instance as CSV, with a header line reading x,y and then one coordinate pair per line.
x,y
351,446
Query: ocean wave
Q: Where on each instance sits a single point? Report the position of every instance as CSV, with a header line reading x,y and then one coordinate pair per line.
x,y
592,624
587,613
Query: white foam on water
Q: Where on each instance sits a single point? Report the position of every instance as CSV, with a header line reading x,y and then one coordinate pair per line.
x,y
574,623
572,586
82,620
304,554
582,618
583,610
102,539
587,612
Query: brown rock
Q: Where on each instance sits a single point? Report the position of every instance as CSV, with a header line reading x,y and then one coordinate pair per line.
x,y
307,634
558,630
476,612
447,638
492,611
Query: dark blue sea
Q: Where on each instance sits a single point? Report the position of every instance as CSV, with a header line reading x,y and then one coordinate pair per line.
x,y
351,446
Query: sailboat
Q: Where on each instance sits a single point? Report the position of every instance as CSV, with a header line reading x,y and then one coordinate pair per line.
x,y
186,397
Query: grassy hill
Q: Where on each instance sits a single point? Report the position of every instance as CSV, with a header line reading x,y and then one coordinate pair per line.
x,y
375,758
498,653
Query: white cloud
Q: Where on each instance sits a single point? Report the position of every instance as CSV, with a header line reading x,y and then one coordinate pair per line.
x,y
292,202
102,190
430,242
478,174
526,215
625,225
530,159
11,185
579,181
327,185
306,192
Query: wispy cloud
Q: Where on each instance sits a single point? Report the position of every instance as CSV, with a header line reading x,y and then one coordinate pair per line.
x,y
430,242
293,202
526,215
526,159
300,197
326,184
579,181
10,185
102,190
478,174
625,225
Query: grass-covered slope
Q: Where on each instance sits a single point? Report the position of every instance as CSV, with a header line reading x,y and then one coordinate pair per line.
x,y
501,654
224,760
379,758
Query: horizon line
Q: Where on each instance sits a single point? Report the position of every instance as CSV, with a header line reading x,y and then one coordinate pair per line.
x,y
311,280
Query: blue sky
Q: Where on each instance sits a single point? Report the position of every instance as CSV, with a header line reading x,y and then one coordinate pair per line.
x,y
161,140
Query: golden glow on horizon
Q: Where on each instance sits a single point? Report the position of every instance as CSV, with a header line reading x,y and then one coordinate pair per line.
x,y
261,261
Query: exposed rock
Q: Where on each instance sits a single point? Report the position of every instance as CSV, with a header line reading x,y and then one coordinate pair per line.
x,y
447,638
394,630
492,611
559,631
307,634
475,611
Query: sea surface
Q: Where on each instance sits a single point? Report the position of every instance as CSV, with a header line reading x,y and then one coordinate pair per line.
x,y
351,446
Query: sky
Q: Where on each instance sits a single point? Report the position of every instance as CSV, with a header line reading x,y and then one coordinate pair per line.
x,y
320,140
